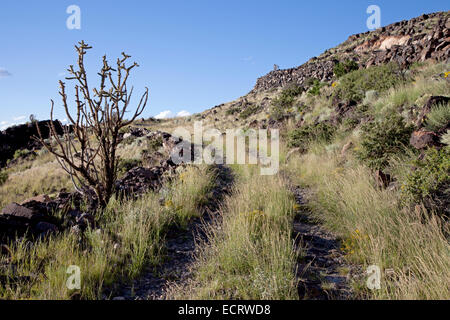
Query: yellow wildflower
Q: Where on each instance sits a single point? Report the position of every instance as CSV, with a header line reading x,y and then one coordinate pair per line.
x,y
168,204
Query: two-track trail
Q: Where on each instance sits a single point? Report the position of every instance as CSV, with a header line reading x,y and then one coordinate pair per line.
x,y
180,249
323,272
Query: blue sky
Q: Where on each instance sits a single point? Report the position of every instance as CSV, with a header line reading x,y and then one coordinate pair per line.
x,y
193,54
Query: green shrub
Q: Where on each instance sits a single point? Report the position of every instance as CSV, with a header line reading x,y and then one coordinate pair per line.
x,y
438,118
380,140
3,177
285,101
353,86
287,97
232,111
303,136
349,124
20,153
429,181
125,165
154,144
342,68
252,109
315,87
124,130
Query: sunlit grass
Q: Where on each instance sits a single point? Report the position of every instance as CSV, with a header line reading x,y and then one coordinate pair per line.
x,y
250,254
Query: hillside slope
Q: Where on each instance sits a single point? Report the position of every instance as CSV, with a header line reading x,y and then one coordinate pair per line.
x,y
405,43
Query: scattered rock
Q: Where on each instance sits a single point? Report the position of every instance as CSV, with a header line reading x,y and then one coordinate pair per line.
x,y
422,139
404,43
42,199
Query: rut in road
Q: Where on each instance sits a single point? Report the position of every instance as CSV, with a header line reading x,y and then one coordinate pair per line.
x,y
180,250
323,272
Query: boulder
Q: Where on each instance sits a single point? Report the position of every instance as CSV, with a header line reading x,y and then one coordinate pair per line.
x,y
17,211
422,139
139,180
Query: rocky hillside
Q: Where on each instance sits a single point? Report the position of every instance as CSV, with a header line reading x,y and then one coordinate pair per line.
x,y
364,158
404,42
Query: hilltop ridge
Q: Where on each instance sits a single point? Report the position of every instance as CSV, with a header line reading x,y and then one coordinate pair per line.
x,y
404,42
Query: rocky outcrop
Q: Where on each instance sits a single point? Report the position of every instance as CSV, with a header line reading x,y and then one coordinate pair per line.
x,y
21,137
18,220
405,42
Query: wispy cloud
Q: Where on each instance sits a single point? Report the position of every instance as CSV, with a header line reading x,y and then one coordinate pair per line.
x,y
183,113
4,73
19,118
249,60
15,121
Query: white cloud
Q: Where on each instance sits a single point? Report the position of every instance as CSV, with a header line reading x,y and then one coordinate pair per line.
x,y
169,114
183,113
19,118
4,73
164,115
16,121
5,124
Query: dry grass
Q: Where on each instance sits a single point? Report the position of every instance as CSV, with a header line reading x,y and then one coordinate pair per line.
x,y
377,228
250,255
138,228
428,82
37,178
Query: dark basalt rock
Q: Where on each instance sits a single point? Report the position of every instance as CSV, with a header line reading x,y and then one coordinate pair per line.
x,y
422,139
21,137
